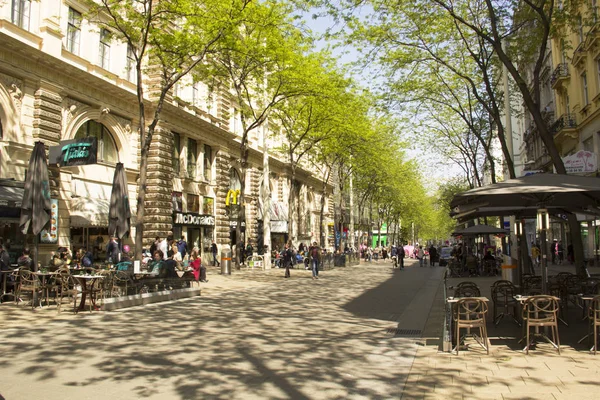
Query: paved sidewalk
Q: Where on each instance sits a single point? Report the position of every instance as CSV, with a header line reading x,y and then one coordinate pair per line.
x,y
506,373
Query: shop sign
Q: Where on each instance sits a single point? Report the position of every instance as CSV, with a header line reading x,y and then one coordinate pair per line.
x,y
50,236
233,224
232,197
279,226
193,219
581,162
74,152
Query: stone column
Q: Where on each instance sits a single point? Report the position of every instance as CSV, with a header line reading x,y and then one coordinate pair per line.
x,y
222,167
158,220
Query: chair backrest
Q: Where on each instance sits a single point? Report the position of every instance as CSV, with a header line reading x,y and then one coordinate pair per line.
x,y
467,291
470,309
466,283
532,284
541,307
503,291
562,276
502,283
28,278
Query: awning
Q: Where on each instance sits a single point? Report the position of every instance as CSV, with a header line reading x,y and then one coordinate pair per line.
x,y
11,196
86,212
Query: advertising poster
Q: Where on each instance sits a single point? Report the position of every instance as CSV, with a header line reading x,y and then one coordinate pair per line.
x,y
51,236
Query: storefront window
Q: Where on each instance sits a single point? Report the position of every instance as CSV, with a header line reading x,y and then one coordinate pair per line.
x,y
177,200
208,205
193,203
107,150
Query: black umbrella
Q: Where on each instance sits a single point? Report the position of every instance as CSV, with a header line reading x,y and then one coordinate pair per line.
x,y
36,207
119,214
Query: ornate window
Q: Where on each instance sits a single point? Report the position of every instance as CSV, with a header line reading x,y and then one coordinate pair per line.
x,y
104,50
130,65
73,31
21,10
208,162
192,156
107,149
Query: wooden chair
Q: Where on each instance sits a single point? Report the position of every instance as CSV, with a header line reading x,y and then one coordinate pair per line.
x,y
538,312
467,291
28,282
470,314
594,316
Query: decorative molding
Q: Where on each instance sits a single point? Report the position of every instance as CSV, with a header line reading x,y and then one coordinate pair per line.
x,y
14,86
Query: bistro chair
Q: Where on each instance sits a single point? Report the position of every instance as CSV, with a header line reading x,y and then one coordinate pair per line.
x,y
101,287
532,285
503,296
538,312
28,282
467,291
66,287
594,316
470,313
571,290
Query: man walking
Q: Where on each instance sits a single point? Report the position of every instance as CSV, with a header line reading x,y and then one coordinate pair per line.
x,y
315,259
214,250
401,254
432,255
182,246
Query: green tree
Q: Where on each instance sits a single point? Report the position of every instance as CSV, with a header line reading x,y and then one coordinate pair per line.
x,y
167,40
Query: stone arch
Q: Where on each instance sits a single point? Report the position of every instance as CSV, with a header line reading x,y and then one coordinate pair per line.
x,y
119,129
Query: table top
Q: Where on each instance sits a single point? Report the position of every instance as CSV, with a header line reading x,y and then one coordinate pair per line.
x,y
456,299
40,273
523,299
89,276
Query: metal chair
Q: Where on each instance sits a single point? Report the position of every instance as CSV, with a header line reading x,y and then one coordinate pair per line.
x,y
594,316
467,291
532,285
67,287
469,314
541,311
503,293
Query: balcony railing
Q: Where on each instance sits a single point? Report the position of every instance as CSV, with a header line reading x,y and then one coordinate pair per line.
x,y
565,121
560,72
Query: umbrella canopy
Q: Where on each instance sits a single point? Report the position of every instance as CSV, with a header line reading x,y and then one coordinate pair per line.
x,y
119,214
569,192
478,230
36,207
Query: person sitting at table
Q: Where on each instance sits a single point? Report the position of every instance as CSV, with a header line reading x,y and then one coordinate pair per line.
x,y
199,270
489,256
155,266
175,255
25,260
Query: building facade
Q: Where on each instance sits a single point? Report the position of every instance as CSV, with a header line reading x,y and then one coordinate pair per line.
x,y
63,79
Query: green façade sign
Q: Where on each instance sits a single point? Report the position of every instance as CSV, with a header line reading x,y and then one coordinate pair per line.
x,y
74,152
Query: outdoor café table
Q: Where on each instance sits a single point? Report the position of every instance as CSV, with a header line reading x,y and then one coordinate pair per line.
x,y
452,301
87,282
585,300
4,277
43,276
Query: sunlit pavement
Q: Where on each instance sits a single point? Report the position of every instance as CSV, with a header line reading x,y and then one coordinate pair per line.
x,y
250,335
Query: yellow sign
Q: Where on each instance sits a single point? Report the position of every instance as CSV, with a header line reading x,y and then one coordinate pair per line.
x,y
232,197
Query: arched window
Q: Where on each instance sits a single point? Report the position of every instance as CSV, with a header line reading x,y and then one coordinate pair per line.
x,y
107,149
234,180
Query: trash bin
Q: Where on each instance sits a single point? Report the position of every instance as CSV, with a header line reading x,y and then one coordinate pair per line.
x,y
226,261
508,272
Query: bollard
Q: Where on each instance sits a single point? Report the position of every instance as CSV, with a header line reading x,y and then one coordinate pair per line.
x,y
226,261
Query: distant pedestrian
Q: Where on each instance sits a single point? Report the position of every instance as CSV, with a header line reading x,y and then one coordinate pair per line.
x,y
315,259
421,256
401,254
182,246
214,250
113,252
287,259
432,255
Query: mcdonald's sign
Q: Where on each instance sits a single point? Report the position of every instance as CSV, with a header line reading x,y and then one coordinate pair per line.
x,y
232,197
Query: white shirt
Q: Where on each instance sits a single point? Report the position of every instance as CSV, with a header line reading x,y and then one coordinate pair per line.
x,y
162,246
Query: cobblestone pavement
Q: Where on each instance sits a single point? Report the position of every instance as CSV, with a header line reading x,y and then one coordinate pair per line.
x,y
256,335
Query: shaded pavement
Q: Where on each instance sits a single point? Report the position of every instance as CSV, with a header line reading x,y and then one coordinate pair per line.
x,y
250,335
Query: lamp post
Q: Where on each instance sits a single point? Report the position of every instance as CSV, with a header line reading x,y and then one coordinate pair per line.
x,y
543,222
520,258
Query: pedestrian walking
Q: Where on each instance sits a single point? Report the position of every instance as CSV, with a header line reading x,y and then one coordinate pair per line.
x,y
401,254
421,256
432,255
287,258
315,259
214,250
113,252
182,246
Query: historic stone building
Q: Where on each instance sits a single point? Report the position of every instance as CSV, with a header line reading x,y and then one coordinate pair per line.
x,y
62,79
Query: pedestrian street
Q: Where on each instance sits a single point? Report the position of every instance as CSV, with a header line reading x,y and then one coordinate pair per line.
x,y
250,335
